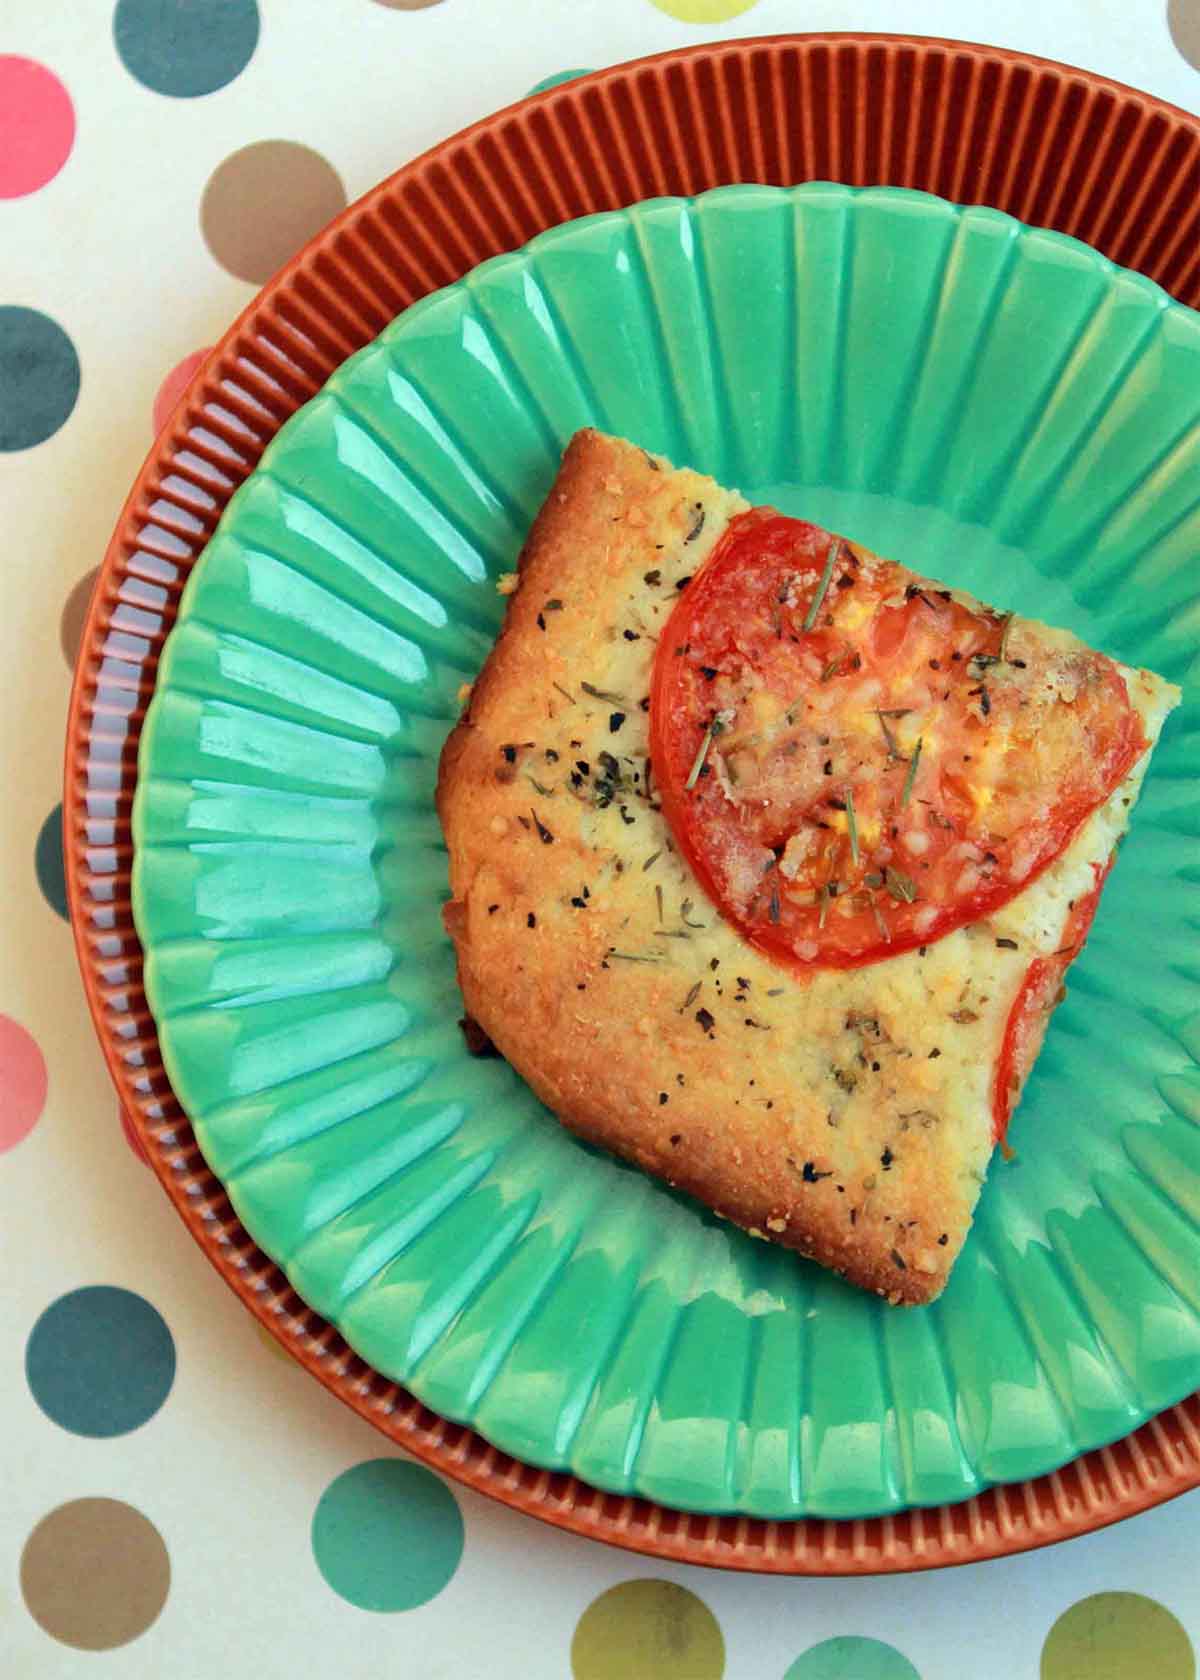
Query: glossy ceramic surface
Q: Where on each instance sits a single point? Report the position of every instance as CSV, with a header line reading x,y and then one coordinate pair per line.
x,y
996,405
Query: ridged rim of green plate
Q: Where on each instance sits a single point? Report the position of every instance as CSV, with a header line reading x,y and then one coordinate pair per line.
x,y
997,405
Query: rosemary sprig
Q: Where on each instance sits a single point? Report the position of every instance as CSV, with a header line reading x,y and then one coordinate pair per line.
x,y
906,795
718,726
685,910
852,824
698,761
814,606
889,736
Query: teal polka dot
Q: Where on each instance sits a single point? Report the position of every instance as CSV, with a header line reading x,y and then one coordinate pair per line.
x,y
850,1657
39,377
48,862
559,77
185,48
100,1361
387,1535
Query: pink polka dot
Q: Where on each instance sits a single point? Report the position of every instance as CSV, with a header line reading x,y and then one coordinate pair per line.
x,y
22,1083
174,385
132,1139
37,125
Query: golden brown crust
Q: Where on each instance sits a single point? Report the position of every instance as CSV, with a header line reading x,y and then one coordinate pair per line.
x,y
846,1115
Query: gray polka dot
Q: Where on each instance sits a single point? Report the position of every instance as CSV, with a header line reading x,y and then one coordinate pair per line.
x,y
1183,20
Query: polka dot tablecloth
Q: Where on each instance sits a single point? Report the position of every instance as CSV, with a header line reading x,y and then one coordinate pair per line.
x,y
176,1497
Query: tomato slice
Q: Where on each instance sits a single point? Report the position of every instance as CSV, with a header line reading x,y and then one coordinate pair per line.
x,y
855,761
1036,998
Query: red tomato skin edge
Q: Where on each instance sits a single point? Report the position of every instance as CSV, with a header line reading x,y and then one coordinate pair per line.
x,y
984,902
1042,979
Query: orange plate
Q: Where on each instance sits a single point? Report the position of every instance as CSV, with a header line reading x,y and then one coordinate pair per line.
x,y
1054,146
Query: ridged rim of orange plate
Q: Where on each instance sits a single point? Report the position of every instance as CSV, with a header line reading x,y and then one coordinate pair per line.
x,y
1053,146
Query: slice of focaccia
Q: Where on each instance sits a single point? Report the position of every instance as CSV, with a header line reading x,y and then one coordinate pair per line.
x,y
768,856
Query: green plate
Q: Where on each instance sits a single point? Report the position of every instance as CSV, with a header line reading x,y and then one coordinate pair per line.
x,y
996,405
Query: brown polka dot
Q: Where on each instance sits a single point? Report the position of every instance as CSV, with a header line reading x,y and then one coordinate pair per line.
x,y
263,203
95,1573
1183,20
70,624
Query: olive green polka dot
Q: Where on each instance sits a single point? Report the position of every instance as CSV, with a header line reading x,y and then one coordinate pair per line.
x,y
272,1345
647,1630
1118,1636
704,11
